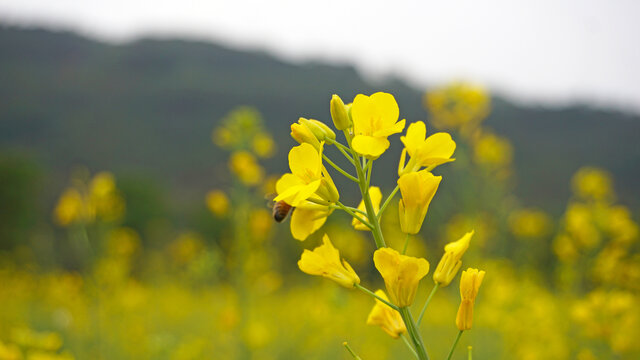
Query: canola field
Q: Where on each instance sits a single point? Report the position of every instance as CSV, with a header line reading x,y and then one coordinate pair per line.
x,y
491,278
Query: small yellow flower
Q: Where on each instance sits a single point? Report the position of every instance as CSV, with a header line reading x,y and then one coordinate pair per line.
x,y
428,152
339,113
470,282
70,208
418,189
376,197
592,183
308,177
387,318
325,261
263,145
401,274
245,166
493,150
450,263
218,203
374,118
307,219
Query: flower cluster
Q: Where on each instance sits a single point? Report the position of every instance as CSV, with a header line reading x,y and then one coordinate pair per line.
x,y
367,123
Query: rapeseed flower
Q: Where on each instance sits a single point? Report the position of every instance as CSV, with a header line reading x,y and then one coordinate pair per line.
x,y
387,318
245,166
401,274
425,151
450,263
418,189
325,261
374,118
218,203
470,282
308,177
376,197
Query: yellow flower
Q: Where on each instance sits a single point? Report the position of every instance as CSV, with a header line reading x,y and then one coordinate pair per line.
x,y
376,197
418,189
430,152
493,150
450,263
470,282
263,145
529,223
374,119
246,168
325,261
307,177
70,208
218,202
307,219
592,183
387,318
311,132
339,113
401,274
458,105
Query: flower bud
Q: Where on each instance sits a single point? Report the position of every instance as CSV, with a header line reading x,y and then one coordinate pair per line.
x,y
303,134
339,113
318,128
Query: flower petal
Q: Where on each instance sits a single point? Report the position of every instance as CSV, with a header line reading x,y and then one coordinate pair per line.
x,y
305,222
305,162
371,147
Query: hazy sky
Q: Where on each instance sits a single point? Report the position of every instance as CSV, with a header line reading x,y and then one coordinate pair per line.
x,y
541,50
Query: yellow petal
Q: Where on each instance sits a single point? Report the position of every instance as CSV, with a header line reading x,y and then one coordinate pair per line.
x,y
371,147
436,149
416,133
287,181
305,222
386,109
305,162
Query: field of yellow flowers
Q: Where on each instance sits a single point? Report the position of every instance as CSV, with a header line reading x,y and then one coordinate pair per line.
x,y
493,279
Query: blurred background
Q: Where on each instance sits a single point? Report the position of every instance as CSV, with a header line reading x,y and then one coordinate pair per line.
x,y
140,142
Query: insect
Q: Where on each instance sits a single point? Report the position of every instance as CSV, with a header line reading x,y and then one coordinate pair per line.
x,y
280,211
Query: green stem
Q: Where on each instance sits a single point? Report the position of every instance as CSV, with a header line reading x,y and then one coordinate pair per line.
x,y
455,343
346,209
369,167
412,329
346,174
409,345
358,211
371,293
364,190
404,251
387,201
470,355
343,149
350,350
426,303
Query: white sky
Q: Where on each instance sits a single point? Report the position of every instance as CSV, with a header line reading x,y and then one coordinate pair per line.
x,y
548,51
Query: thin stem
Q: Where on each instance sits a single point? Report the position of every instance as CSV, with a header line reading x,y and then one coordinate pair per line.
x,y
351,351
343,149
371,293
426,303
412,329
470,353
387,201
348,211
455,343
406,341
346,174
404,251
358,211
369,167
364,190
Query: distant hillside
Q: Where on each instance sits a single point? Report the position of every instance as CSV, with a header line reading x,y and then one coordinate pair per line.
x,y
149,107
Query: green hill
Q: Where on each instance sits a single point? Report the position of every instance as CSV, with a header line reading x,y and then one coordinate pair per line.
x,y
148,107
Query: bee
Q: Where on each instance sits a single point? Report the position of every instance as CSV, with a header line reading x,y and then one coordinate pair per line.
x,y
280,211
